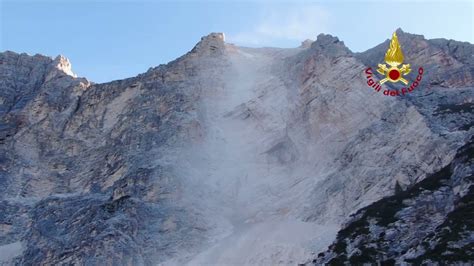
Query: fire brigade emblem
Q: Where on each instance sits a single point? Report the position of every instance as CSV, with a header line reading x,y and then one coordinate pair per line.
x,y
394,58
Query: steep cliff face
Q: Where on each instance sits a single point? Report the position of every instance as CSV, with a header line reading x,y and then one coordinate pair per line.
x,y
430,222
427,221
81,167
448,63
226,155
370,141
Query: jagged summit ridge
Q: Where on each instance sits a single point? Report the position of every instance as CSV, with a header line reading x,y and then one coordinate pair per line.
x,y
306,43
225,155
212,44
59,63
447,63
330,45
63,63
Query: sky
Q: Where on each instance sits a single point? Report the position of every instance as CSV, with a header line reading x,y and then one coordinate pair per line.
x,y
108,40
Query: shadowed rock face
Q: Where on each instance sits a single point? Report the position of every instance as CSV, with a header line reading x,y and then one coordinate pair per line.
x,y
430,222
194,161
448,63
79,159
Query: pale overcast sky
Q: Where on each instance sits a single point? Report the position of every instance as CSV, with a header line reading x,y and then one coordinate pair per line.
x,y
107,40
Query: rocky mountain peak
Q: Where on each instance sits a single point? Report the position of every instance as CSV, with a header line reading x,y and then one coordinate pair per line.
x,y
215,35
228,155
306,43
62,63
447,63
406,35
60,66
330,45
212,44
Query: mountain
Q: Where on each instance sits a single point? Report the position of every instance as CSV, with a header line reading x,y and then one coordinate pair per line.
x,y
229,155
430,222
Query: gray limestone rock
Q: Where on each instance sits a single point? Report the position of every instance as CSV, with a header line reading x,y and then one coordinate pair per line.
x,y
227,154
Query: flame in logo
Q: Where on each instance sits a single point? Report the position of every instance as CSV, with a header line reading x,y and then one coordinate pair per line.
x,y
394,57
394,54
